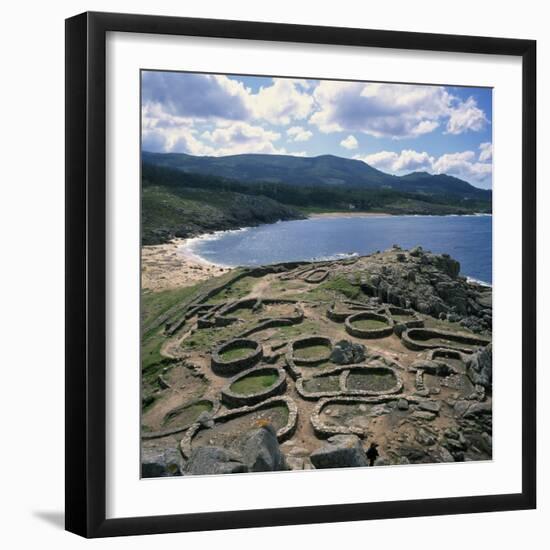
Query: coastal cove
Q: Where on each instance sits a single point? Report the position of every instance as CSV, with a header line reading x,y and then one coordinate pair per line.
x,y
466,238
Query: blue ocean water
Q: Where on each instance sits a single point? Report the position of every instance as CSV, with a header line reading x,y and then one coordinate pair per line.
x,y
466,238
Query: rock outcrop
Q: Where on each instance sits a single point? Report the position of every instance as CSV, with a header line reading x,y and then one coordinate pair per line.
x,y
340,451
345,352
257,451
430,284
161,462
479,367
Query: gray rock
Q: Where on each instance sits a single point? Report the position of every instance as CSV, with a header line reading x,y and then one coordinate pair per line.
x,y
477,409
347,353
205,419
479,367
441,454
261,451
403,404
214,460
461,407
431,406
425,438
340,451
158,462
424,415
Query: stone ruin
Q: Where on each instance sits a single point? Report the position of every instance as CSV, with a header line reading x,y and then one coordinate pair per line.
x,y
260,385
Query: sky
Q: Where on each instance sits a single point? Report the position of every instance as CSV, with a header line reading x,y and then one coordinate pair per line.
x,y
397,128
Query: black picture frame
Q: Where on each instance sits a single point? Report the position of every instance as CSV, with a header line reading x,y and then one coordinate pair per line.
x,y
86,279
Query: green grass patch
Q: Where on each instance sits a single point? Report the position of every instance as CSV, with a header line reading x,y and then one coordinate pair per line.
x,y
369,324
311,352
254,383
206,339
371,381
239,289
291,332
336,288
236,353
187,415
322,384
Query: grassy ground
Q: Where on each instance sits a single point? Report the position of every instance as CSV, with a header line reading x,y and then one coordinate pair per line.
x,y
311,352
153,305
334,289
236,353
188,414
369,324
253,384
236,291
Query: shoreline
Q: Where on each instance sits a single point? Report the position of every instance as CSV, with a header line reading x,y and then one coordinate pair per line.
x,y
175,265
348,215
172,265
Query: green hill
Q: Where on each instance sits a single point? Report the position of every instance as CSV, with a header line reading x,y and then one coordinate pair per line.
x,y
313,171
179,204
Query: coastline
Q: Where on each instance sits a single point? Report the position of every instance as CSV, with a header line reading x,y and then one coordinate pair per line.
x,y
348,215
173,265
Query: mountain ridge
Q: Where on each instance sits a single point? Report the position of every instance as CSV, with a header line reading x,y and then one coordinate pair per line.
x,y
329,170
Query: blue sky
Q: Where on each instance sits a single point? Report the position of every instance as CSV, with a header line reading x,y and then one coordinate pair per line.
x,y
397,128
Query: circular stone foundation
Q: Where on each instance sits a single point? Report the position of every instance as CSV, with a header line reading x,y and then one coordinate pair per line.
x,y
253,386
316,276
183,417
368,325
424,338
310,351
405,317
280,411
235,356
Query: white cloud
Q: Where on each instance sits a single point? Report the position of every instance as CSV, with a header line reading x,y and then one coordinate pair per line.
x,y
380,110
466,116
396,111
297,133
486,151
241,137
462,165
350,142
162,132
406,161
282,102
217,97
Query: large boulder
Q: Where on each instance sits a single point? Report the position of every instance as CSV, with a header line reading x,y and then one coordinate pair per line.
x,y
261,451
159,462
340,451
479,367
347,353
214,460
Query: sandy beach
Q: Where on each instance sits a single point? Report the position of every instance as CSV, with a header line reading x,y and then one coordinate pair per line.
x,y
167,266
348,215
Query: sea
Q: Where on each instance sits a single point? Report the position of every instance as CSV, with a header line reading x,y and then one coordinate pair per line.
x,y
468,239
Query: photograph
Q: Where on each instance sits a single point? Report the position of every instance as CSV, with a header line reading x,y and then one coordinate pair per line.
x,y
316,273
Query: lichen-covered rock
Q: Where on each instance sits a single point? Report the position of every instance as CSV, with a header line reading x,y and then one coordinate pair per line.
x,y
159,462
347,353
479,367
214,460
340,451
261,451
